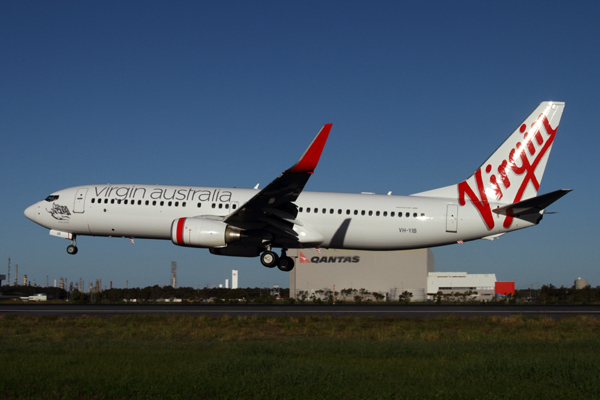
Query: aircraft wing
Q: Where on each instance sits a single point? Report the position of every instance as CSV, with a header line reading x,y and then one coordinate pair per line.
x,y
533,205
272,208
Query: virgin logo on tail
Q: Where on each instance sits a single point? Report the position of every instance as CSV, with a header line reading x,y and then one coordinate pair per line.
x,y
501,181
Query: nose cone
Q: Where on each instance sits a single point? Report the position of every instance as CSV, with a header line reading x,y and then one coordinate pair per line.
x,y
31,212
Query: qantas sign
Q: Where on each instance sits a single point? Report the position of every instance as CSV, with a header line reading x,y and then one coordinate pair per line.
x,y
329,259
500,196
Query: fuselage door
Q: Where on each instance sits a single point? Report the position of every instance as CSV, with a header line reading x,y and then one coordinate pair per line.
x,y
78,207
452,218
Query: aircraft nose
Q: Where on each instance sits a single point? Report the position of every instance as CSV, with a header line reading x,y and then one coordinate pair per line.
x,y
31,212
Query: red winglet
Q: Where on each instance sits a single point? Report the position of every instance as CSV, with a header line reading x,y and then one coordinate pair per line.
x,y
309,160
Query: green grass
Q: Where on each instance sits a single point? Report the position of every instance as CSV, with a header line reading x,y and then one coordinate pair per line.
x,y
141,357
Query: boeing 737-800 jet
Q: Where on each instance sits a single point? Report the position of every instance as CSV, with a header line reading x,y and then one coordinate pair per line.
x,y
501,196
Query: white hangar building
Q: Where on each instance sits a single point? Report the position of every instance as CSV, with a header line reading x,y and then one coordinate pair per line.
x,y
388,273
461,282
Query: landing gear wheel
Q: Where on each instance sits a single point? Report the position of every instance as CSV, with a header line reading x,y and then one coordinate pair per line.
x,y
286,264
72,249
269,259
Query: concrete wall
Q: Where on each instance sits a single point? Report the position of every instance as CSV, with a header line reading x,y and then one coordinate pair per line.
x,y
386,272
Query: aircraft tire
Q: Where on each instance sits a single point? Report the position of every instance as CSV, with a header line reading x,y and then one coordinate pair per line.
x,y
286,264
72,249
269,259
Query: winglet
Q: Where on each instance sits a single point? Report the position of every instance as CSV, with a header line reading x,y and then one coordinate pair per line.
x,y
309,160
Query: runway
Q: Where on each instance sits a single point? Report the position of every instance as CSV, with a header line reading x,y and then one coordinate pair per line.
x,y
375,310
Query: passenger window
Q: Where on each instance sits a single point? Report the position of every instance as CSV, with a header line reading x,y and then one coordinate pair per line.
x,y
347,212
415,215
124,201
307,209
183,204
385,213
316,210
199,204
377,213
234,206
227,206
139,202
339,210
324,211
154,202
93,200
300,209
422,214
362,212
355,212
220,205
169,204
392,214
162,203
176,204
112,201
370,213
399,215
214,205
331,211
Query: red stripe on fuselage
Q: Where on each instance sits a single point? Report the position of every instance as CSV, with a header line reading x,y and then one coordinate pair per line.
x,y
180,225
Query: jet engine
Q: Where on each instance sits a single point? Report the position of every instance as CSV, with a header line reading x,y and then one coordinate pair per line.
x,y
202,232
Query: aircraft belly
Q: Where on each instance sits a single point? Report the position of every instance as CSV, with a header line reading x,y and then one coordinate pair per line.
x,y
140,226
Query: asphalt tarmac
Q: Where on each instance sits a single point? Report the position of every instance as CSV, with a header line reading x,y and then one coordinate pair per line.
x,y
280,310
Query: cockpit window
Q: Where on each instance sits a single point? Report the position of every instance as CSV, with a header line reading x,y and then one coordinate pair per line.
x,y
52,197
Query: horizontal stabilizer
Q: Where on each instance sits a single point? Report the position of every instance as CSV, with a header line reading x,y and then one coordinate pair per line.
x,y
531,206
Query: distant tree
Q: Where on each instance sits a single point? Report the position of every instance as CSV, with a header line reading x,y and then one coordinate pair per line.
x,y
378,296
302,296
405,296
79,297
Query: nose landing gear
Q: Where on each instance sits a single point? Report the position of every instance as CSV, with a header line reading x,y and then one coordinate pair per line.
x,y
270,259
72,248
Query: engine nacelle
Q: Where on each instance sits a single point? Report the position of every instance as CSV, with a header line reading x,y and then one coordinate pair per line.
x,y
202,232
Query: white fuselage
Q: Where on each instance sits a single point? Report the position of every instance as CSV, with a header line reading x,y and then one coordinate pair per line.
x,y
328,220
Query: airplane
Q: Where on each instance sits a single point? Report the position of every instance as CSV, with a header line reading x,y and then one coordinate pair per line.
x,y
500,197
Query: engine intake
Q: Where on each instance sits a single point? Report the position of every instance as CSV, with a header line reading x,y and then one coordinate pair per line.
x,y
202,232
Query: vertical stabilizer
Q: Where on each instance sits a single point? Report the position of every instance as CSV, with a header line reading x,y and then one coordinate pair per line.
x,y
515,170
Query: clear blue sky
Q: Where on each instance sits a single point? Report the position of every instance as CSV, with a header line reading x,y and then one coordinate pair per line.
x,y
230,93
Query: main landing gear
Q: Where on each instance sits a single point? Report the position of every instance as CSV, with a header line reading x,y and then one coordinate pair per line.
x,y
72,249
270,259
